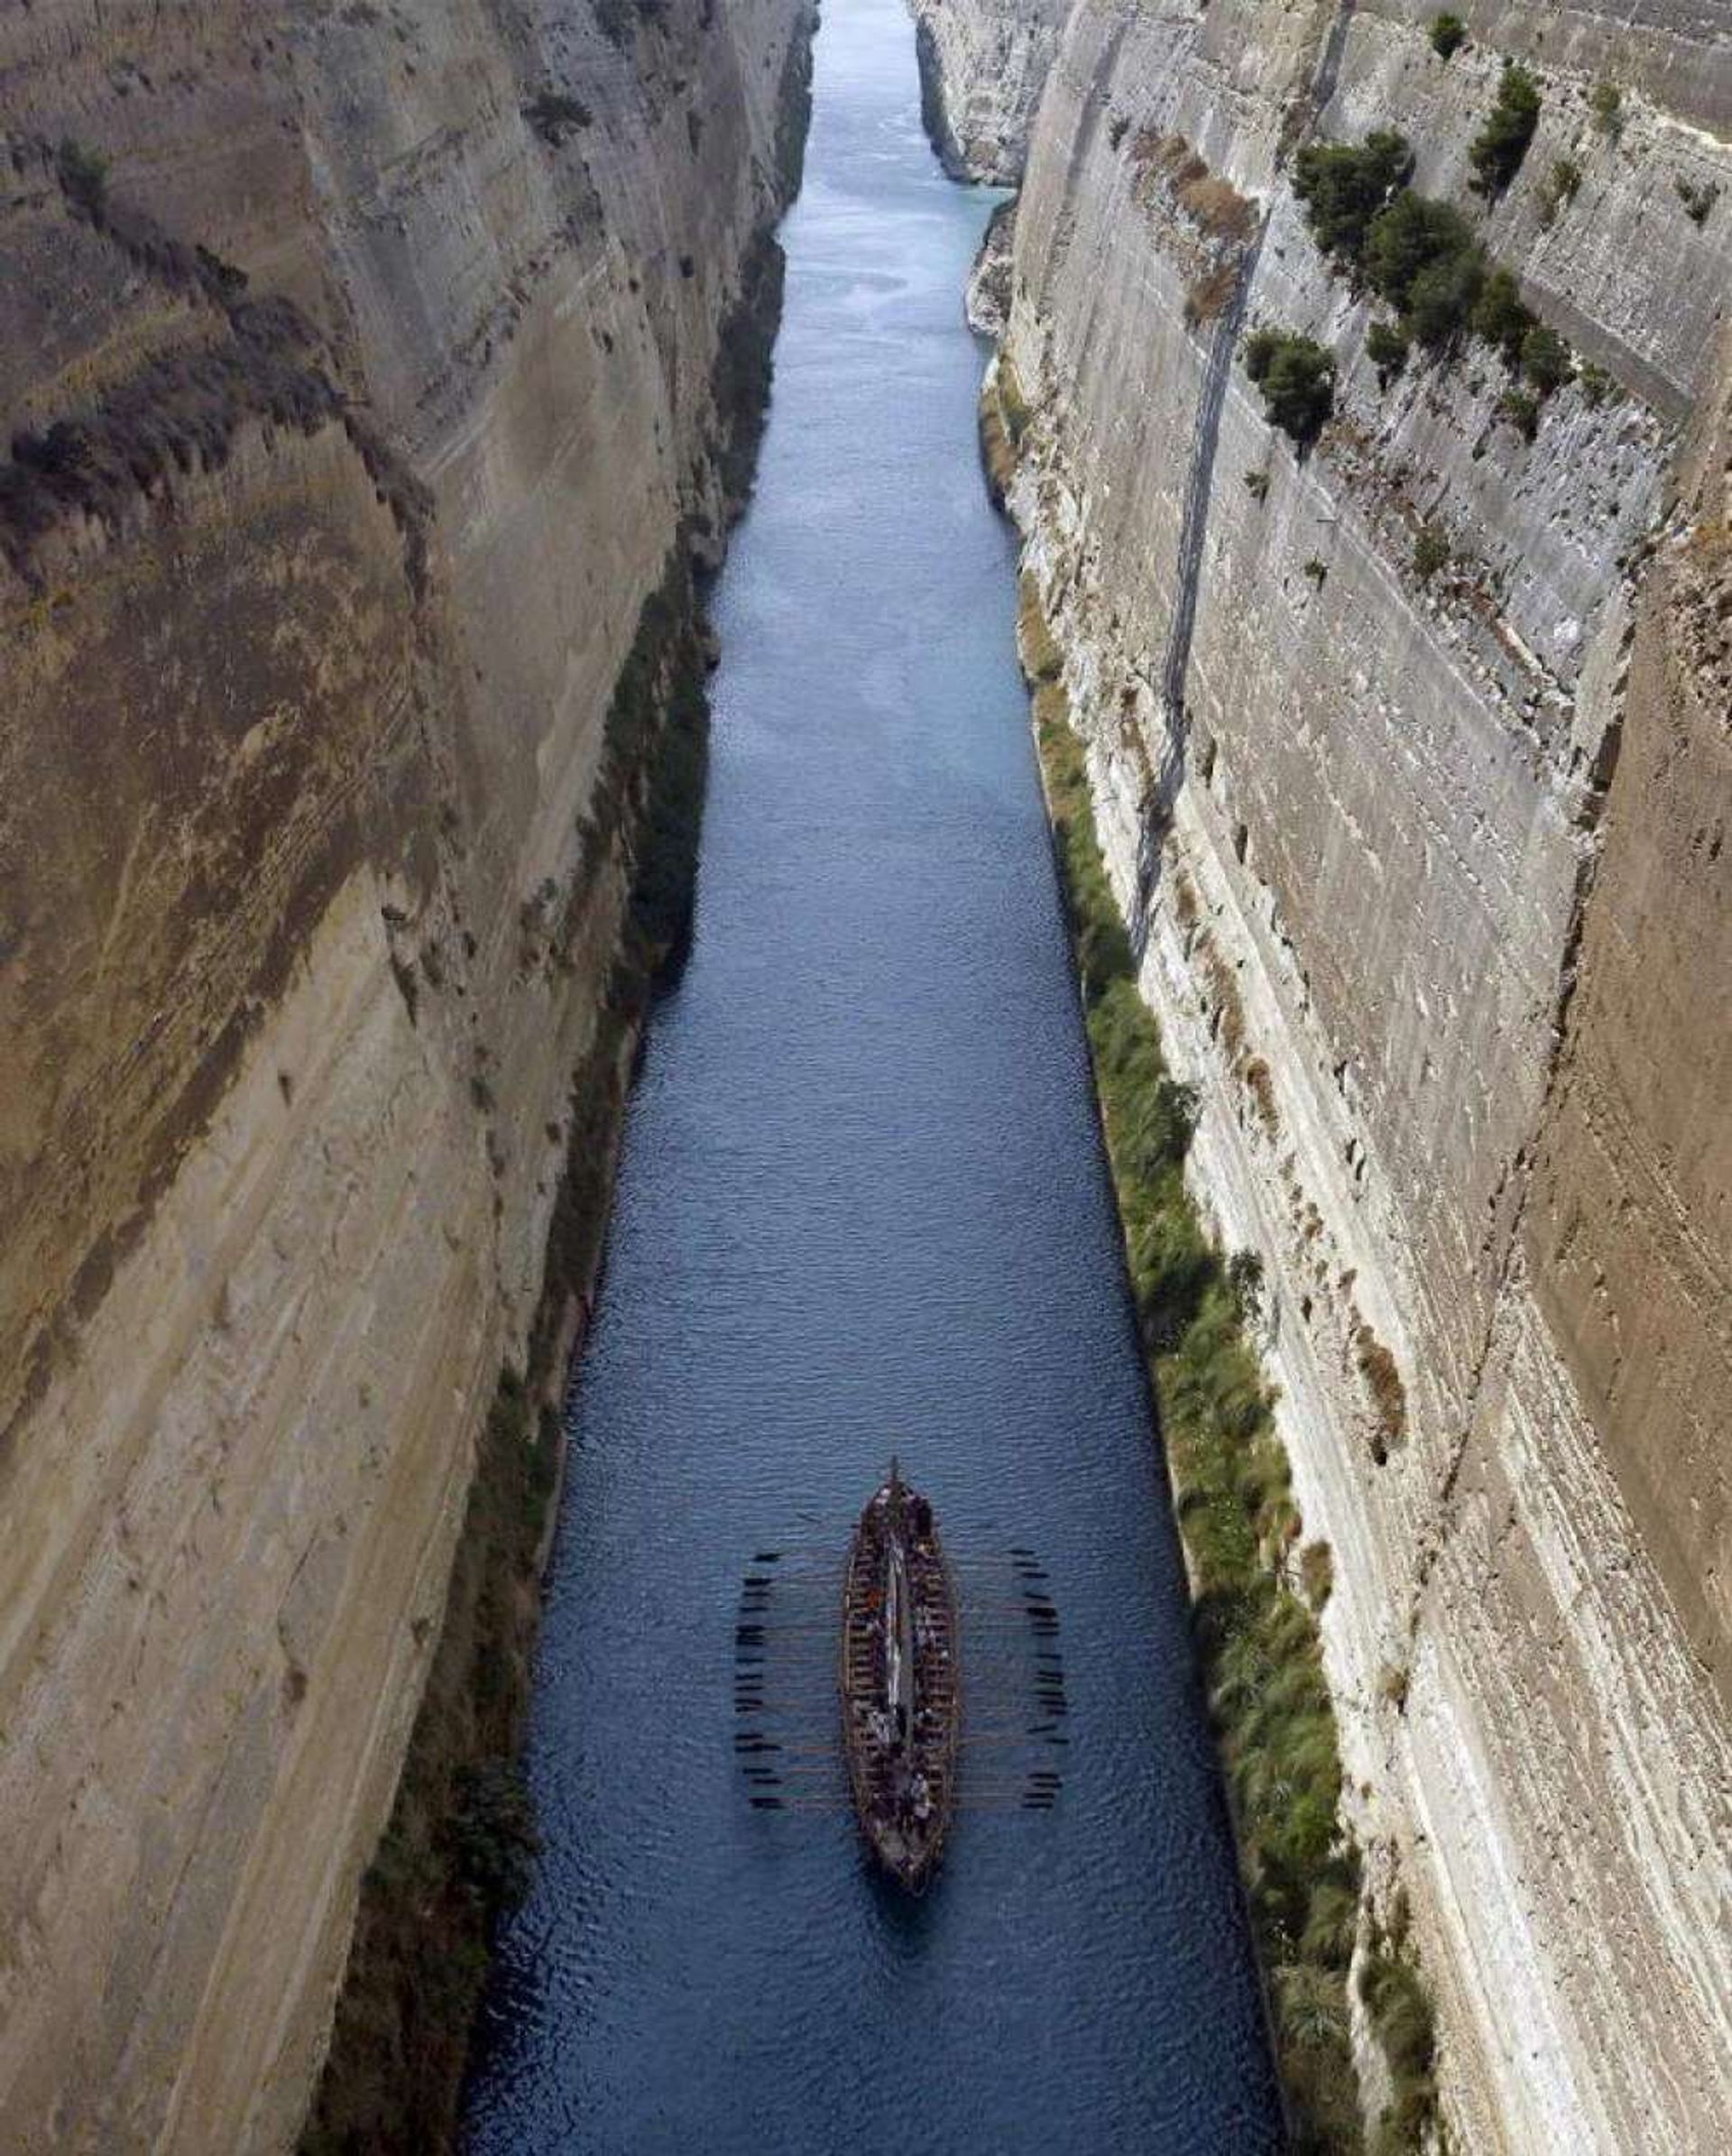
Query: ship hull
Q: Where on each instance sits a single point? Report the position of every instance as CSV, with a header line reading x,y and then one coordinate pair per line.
x,y
900,1674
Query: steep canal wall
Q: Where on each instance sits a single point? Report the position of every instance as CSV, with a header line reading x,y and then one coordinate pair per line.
x,y
1407,756
365,370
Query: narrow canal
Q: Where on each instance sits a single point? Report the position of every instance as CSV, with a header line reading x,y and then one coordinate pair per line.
x,y
861,1207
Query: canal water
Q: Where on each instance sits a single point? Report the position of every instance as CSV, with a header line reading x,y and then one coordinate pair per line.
x,y
861,1207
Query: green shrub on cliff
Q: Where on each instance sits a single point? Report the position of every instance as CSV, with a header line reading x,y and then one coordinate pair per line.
x,y
84,176
1256,1639
1500,145
1563,184
1400,2011
1387,347
1297,379
1344,184
1501,317
1423,257
1546,359
1449,34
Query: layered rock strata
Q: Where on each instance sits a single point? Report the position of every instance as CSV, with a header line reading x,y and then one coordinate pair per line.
x,y
982,71
359,367
1427,864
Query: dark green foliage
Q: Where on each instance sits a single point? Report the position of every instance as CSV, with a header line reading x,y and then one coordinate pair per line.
x,y
1563,183
554,116
1698,200
1500,145
1386,348
1596,385
665,885
457,1850
1401,2012
1441,298
1521,408
1546,359
1606,102
493,1838
1244,1278
1258,1641
1430,551
655,758
84,175
1501,317
1449,34
1297,379
1423,257
1344,184
745,365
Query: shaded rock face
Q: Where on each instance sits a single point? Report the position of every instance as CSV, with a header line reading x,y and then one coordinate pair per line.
x,y
1427,862
358,365
982,68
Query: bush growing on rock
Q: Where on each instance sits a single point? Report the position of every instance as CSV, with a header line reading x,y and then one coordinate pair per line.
x,y
1441,298
1500,145
1430,551
1401,2012
1563,183
1422,256
1605,103
1521,408
1449,34
1500,316
84,175
1344,184
1546,359
553,115
1258,1639
1298,378
1386,348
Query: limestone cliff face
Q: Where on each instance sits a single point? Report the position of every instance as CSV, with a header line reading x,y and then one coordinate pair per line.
x,y
358,362
982,67
1428,871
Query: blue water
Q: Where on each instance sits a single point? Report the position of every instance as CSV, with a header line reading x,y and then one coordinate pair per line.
x,y
861,1205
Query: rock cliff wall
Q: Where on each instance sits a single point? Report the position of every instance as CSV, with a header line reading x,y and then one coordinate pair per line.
x,y
1425,859
982,71
359,364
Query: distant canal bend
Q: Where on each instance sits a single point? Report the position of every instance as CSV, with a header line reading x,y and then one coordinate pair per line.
x,y
861,1207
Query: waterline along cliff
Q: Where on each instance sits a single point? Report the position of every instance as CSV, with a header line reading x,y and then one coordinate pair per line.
x,y
1364,398
374,378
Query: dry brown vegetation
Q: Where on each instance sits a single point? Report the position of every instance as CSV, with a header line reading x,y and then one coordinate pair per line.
x,y
1389,1394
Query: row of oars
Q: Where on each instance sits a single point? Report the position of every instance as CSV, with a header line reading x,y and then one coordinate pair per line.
x,y
1041,1793
781,1776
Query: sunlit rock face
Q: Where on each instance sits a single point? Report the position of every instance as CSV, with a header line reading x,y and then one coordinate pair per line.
x,y
982,68
1428,859
379,342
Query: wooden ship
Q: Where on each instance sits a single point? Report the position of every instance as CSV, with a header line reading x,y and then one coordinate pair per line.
x,y
901,1698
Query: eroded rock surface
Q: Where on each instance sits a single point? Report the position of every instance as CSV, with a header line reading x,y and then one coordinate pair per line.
x,y
982,67
360,360
1427,859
